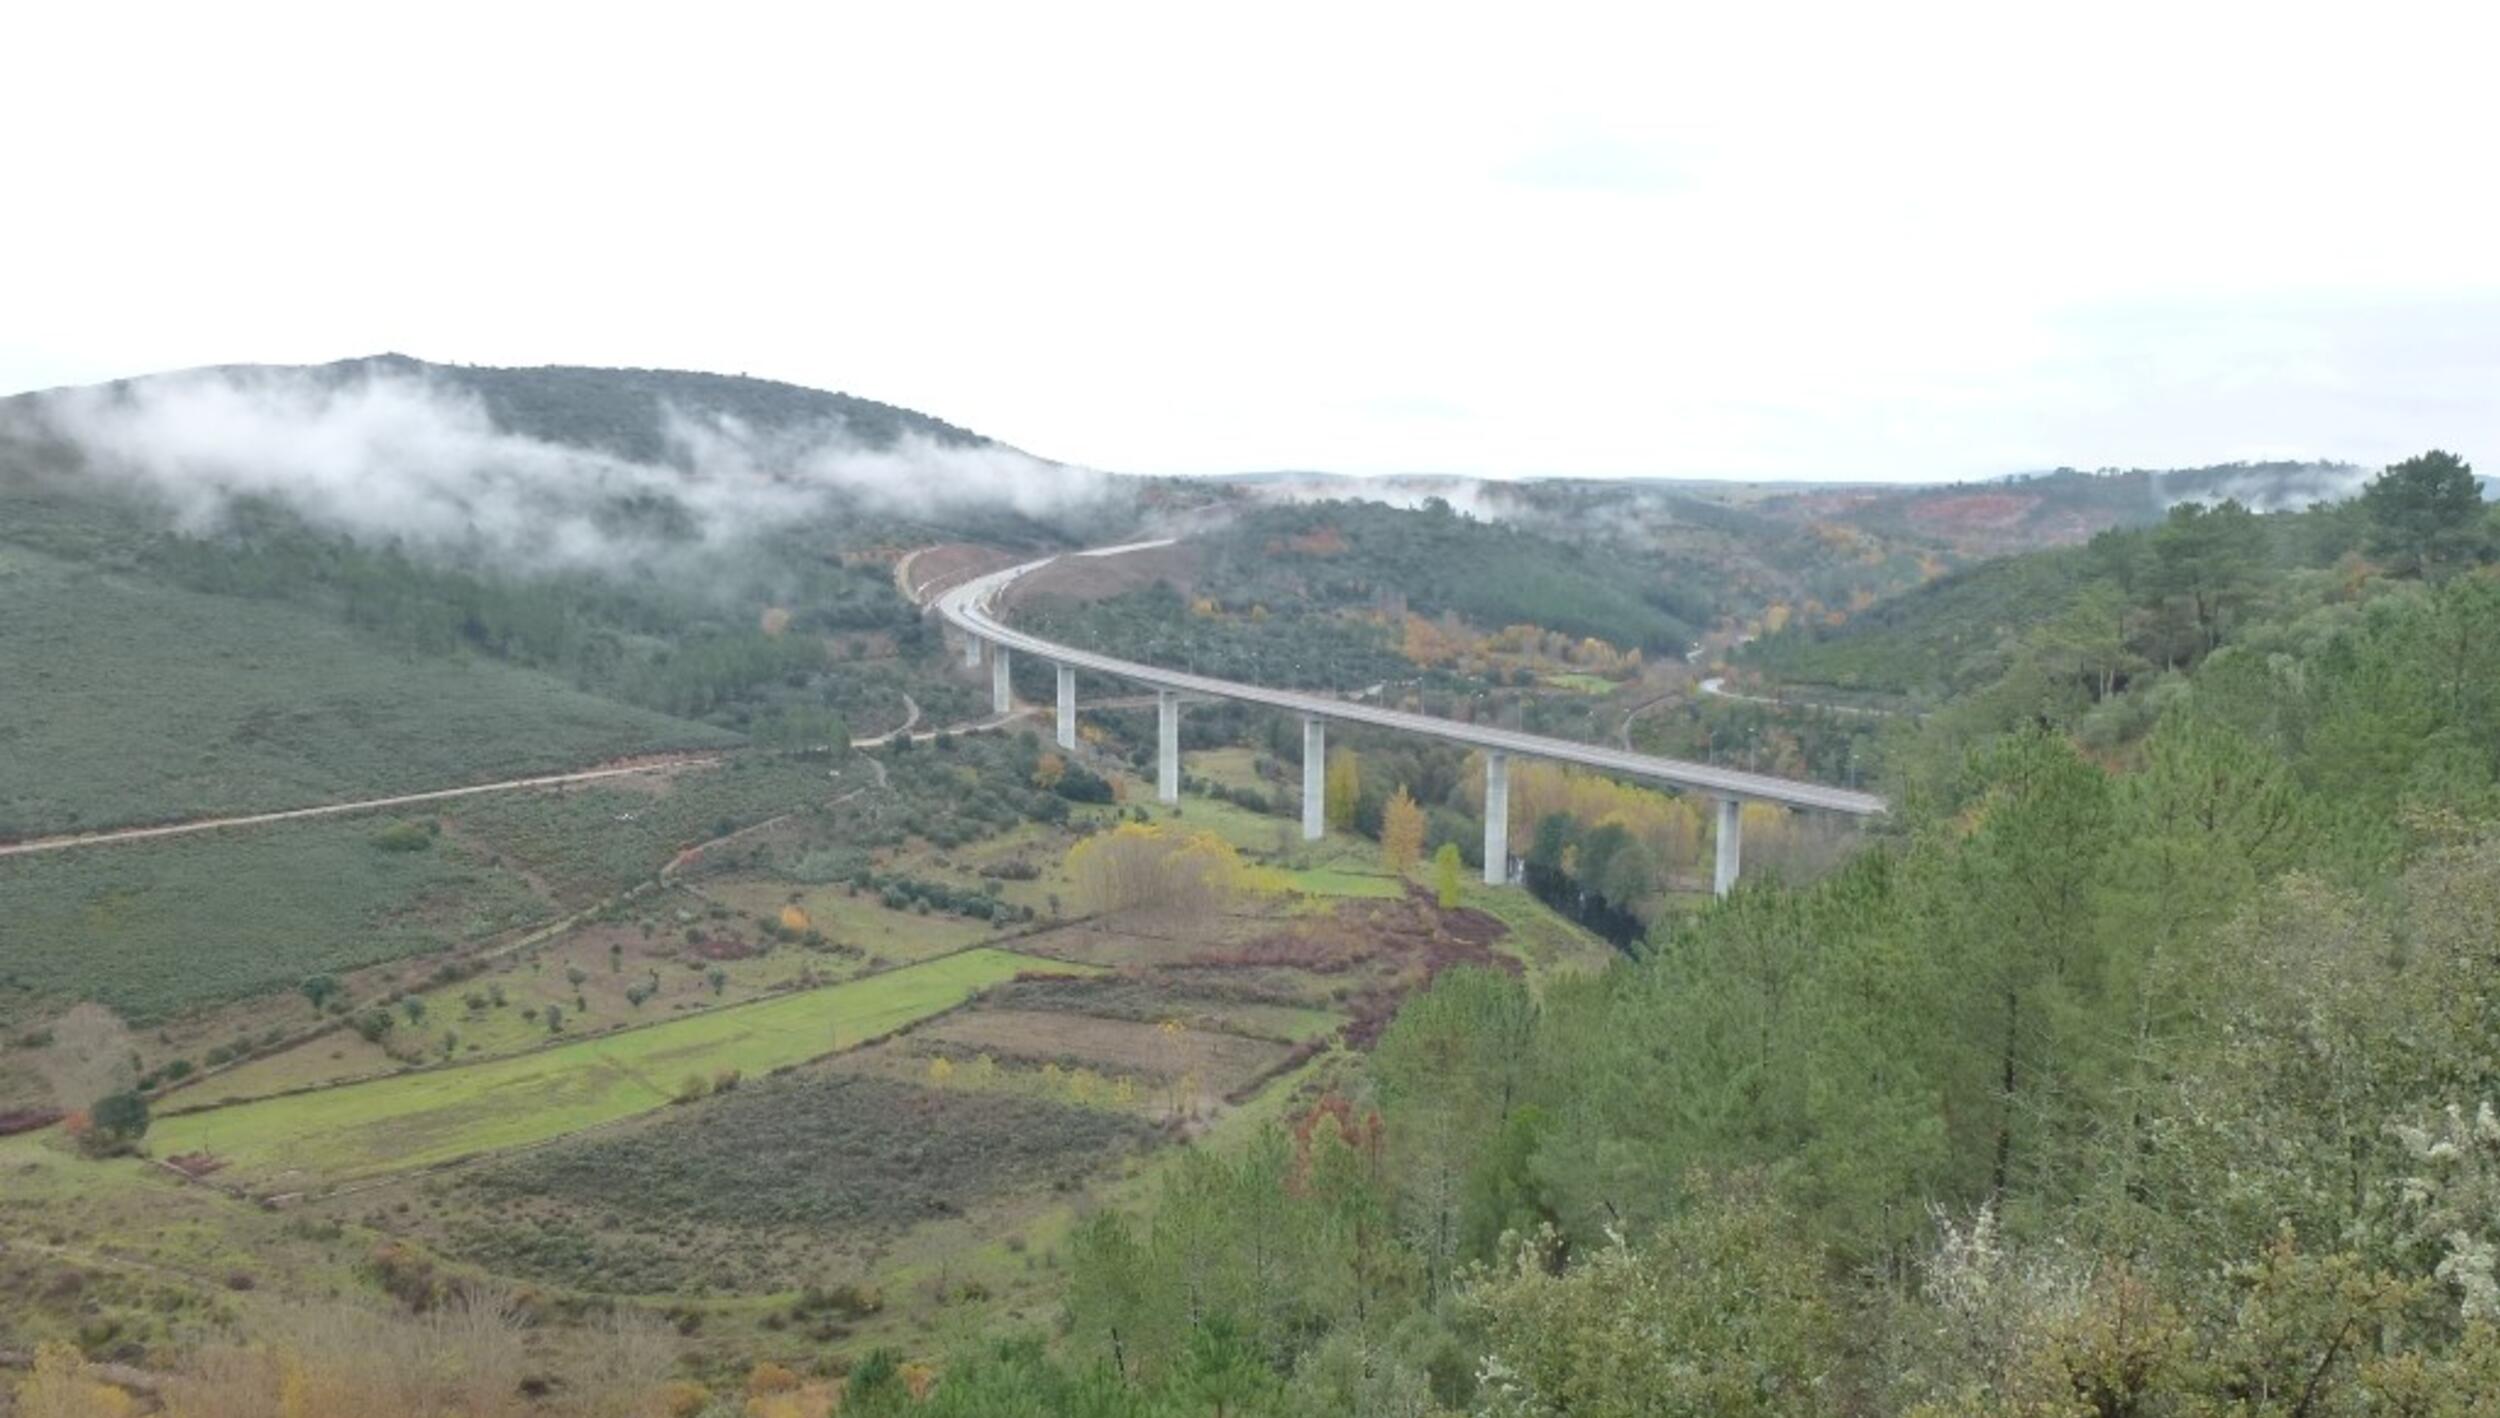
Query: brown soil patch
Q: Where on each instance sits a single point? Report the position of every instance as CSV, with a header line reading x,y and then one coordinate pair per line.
x,y
1094,578
1143,939
1221,1061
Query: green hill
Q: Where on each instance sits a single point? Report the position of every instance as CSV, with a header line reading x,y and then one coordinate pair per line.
x,y
133,701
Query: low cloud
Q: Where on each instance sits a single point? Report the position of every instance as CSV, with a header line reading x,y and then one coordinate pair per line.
x,y
390,457
2277,487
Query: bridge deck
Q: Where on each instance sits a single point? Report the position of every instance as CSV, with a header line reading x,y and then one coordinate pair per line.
x,y
967,607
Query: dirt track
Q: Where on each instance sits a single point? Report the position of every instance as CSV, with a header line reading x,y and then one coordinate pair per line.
x,y
661,763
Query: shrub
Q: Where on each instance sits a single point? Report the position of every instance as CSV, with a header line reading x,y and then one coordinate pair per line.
x,y
115,1122
403,837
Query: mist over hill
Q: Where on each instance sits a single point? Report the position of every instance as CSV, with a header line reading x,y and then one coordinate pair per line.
x,y
2012,513
526,469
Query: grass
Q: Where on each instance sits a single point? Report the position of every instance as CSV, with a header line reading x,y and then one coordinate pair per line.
x,y
855,920
418,1119
1343,880
151,927
131,701
589,841
1580,683
1543,942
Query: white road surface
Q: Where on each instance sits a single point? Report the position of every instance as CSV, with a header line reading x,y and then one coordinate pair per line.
x,y
968,608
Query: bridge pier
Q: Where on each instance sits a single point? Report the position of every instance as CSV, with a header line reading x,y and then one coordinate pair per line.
x,y
1314,778
1002,694
1496,818
1167,746
1067,707
972,651
1731,846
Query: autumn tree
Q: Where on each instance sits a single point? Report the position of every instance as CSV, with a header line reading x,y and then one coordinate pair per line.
x,y
1401,832
1344,790
1138,865
1447,875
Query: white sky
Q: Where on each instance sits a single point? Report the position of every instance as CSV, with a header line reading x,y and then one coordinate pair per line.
x,y
1872,240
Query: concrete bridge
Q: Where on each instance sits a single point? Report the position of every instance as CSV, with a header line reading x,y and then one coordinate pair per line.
x,y
968,608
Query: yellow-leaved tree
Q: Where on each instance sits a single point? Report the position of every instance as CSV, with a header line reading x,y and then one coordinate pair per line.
x,y
1446,869
1401,832
1345,788
1139,865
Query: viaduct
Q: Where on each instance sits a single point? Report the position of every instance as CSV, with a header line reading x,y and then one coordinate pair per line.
x,y
968,608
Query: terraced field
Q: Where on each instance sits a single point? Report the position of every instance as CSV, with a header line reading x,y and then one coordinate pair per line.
x,y
421,1119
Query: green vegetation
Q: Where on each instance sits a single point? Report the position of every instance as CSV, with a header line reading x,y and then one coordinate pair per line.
x,y
724,1196
2150,1087
150,927
246,706
1297,649
1490,573
2142,1061
401,1123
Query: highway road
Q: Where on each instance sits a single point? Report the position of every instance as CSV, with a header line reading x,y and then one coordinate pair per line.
x,y
968,607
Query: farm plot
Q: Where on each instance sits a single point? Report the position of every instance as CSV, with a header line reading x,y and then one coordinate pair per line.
x,y
774,1185
418,1119
1220,1062
855,920
598,977
1144,998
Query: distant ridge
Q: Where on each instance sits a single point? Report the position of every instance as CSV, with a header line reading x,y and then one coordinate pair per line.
x,y
623,412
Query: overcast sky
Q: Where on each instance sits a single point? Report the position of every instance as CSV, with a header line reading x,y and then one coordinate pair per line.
x,y
1894,241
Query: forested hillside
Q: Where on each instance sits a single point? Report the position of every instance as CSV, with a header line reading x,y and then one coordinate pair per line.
x,y
1490,573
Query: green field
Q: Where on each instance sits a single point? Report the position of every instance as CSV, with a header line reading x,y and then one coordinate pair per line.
x,y
1579,683
128,701
422,1118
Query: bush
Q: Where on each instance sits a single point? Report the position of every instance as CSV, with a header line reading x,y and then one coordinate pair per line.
x,y
404,837
115,1122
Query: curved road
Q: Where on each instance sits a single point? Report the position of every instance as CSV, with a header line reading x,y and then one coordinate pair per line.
x,y
967,607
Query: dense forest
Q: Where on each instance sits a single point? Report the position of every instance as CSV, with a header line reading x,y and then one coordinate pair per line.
x,y
1490,573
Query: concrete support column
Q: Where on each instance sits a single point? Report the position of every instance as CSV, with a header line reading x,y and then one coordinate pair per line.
x,y
1167,746
1002,694
1496,819
1731,835
1067,707
1314,779
972,651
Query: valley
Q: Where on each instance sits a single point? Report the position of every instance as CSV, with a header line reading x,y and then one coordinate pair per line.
x,y
684,990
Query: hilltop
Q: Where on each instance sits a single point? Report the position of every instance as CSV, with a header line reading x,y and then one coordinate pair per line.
x,y
623,412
